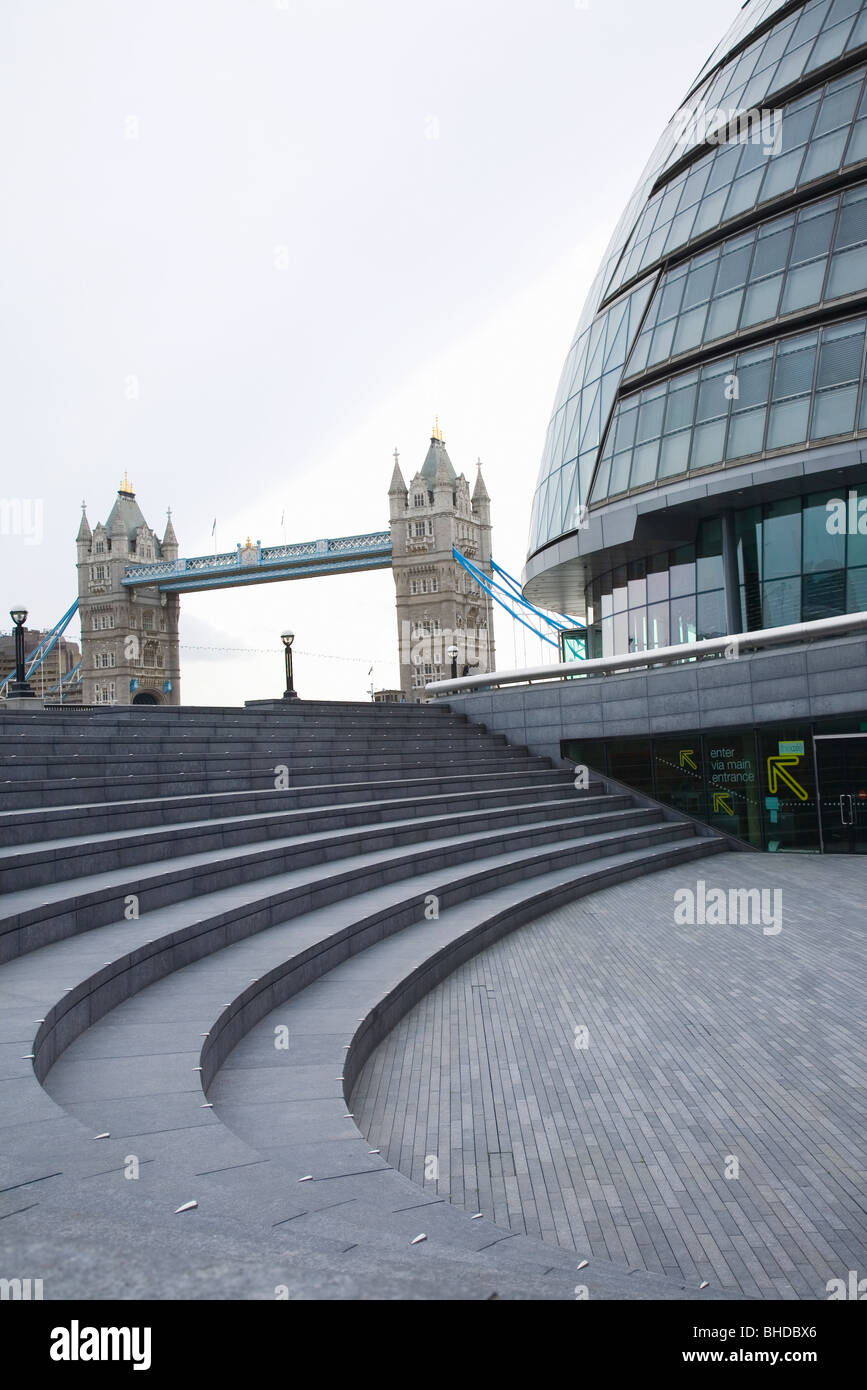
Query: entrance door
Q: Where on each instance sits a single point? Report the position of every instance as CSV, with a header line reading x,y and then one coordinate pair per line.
x,y
841,766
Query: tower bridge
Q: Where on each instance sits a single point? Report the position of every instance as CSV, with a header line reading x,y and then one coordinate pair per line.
x,y
130,581
253,563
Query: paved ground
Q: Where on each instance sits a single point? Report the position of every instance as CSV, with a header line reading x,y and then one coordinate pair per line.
x,y
706,1045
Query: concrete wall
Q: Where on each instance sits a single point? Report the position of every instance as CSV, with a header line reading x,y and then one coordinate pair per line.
x,y
803,682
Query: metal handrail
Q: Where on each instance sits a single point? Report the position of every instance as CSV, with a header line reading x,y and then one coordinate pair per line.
x,y
658,656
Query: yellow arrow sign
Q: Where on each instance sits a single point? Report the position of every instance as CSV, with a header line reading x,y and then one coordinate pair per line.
x,y
777,773
721,803
687,760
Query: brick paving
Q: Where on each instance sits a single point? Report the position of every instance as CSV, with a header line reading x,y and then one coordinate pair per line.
x,y
706,1044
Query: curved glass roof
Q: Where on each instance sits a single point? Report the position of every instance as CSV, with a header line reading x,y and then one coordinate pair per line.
x,y
752,14
657,301
804,387
819,133
805,258
810,38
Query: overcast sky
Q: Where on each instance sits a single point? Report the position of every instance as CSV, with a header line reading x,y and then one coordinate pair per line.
x,y
249,247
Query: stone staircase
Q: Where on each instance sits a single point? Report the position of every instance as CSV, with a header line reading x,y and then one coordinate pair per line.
x,y
175,881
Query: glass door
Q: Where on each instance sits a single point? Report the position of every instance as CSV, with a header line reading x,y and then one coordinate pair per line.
x,y
841,770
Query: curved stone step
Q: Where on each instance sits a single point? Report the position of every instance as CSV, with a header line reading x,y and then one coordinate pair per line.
x,y
277,712
35,916
256,893
149,1047
23,827
61,860
291,756
16,752
140,952
23,793
118,742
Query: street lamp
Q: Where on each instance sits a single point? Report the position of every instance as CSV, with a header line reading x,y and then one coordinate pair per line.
x,y
20,687
452,654
288,637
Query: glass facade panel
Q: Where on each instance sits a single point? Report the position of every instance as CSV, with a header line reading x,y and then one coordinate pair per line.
x,y
781,602
834,413
681,574
709,565
823,595
803,286
586,392
674,454
708,445
657,622
781,539
796,559
763,400
710,615
787,270
746,432
761,301
657,578
823,548
787,423
847,273
856,592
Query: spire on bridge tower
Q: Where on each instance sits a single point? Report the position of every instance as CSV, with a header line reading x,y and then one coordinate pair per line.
x,y
125,489
397,484
480,492
169,542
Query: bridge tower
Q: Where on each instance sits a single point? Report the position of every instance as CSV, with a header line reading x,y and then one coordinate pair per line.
x,y
438,604
129,637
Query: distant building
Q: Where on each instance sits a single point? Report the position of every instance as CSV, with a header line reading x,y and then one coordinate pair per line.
x,y
129,636
439,604
57,665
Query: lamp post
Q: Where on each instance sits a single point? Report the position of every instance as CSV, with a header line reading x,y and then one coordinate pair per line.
x,y
288,637
20,687
452,654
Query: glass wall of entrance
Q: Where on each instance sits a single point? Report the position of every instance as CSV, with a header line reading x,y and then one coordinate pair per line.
x,y
797,559
778,787
841,770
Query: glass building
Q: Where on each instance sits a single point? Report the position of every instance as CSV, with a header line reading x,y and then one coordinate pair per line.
x,y
710,427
